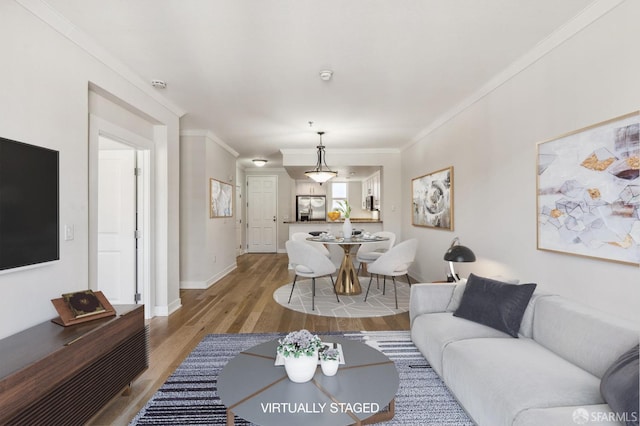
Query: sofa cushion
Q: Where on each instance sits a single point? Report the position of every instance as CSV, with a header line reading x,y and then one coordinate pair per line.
x,y
494,303
456,297
584,336
497,379
427,298
619,386
433,332
526,326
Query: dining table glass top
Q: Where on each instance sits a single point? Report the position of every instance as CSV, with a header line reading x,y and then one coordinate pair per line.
x,y
331,239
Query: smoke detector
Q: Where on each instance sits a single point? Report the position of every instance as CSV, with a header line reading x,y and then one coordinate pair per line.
x,y
326,75
159,84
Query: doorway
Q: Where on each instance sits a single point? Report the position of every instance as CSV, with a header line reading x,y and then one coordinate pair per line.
x,y
120,214
117,221
262,225
239,221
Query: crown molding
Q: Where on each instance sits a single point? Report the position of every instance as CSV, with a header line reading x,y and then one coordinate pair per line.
x,y
583,19
212,136
62,25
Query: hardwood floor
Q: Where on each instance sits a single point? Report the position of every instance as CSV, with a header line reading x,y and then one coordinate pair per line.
x,y
242,302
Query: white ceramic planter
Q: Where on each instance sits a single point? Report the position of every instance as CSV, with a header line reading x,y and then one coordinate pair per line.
x,y
302,369
329,366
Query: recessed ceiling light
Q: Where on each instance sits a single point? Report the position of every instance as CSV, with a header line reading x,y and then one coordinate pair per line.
x,y
326,75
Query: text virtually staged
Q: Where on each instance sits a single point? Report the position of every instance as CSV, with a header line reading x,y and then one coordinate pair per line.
x,y
319,408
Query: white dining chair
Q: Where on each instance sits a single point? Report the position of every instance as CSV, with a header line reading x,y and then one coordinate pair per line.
x,y
369,252
394,263
302,237
310,263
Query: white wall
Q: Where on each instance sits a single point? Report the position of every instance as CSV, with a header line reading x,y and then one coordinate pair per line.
x,y
492,147
44,81
207,245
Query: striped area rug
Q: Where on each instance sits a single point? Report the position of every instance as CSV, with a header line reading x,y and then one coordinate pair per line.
x,y
189,396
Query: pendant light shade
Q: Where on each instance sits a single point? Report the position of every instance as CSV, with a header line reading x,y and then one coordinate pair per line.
x,y
321,173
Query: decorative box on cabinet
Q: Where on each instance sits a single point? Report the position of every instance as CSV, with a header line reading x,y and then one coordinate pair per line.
x,y
64,375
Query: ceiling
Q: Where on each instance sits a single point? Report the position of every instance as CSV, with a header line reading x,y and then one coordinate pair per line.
x,y
248,70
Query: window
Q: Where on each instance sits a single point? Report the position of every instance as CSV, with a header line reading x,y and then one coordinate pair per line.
x,y
338,193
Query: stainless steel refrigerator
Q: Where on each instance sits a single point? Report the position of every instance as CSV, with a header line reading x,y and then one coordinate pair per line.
x,y
310,207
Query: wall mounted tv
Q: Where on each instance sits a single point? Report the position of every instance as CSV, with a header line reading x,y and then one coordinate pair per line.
x,y
29,205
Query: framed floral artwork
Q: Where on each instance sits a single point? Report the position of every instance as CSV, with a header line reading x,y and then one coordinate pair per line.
x,y
588,191
432,200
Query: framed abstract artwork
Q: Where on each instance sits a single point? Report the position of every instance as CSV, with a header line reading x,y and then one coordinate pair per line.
x,y
432,200
221,199
588,191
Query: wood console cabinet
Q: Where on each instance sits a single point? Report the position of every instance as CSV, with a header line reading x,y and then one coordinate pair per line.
x,y
51,374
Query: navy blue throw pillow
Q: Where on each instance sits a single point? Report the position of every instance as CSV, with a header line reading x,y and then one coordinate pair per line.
x,y
494,303
619,387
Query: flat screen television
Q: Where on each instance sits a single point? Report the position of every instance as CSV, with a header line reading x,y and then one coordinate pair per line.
x,y
29,204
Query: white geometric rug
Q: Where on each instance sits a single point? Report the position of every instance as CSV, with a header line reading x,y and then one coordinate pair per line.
x,y
377,304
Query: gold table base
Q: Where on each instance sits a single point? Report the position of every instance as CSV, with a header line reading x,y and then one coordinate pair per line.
x,y
348,282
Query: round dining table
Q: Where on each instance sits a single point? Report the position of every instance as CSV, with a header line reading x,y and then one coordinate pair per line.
x,y
347,282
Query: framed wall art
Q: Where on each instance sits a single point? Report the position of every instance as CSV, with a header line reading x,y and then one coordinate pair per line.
x,y
432,200
221,199
588,191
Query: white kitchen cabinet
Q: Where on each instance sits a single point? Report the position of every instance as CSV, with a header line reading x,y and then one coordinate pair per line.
x,y
309,187
371,186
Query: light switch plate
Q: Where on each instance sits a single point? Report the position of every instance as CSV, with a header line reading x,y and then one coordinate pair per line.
x,y
68,232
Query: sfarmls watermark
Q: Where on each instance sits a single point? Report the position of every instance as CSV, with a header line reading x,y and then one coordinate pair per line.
x,y
582,416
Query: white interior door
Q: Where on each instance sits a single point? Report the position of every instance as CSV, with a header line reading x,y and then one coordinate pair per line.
x,y
262,214
117,222
239,221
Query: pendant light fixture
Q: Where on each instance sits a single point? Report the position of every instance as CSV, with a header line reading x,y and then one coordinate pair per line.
x,y
320,174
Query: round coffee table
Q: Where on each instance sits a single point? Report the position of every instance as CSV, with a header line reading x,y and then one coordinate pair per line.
x,y
362,391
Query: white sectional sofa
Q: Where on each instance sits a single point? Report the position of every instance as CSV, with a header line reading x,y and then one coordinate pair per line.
x,y
549,375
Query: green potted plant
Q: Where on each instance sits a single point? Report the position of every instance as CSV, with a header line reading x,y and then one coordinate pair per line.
x,y
344,208
300,352
329,361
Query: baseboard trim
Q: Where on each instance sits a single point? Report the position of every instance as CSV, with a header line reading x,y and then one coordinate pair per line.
x,y
203,285
166,310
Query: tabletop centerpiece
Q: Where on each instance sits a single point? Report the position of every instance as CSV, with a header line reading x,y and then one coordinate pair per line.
x,y
345,209
333,215
299,350
329,361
